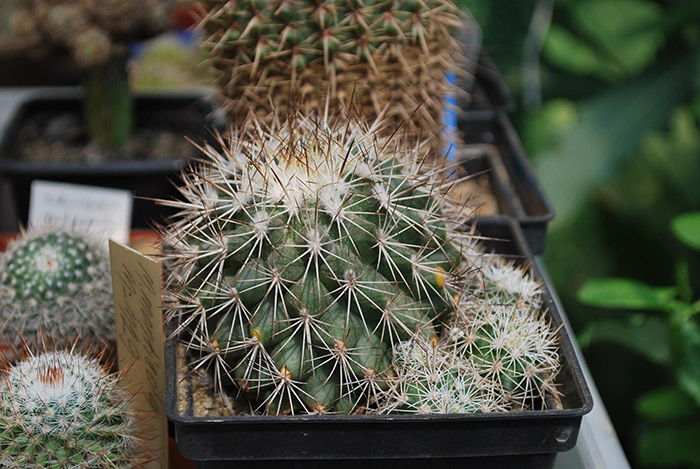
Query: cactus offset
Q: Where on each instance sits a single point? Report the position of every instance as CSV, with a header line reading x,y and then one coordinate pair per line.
x,y
305,254
55,281
379,56
64,410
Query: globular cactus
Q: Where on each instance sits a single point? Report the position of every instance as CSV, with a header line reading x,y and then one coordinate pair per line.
x,y
496,353
379,56
56,281
305,252
63,409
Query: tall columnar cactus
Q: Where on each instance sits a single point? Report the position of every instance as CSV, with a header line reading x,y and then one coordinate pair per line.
x,y
62,409
55,281
364,54
305,253
96,34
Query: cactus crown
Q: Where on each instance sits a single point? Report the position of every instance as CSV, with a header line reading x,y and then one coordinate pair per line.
x,y
57,281
62,409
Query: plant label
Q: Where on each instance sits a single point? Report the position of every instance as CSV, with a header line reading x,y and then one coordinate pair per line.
x,y
140,342
103,210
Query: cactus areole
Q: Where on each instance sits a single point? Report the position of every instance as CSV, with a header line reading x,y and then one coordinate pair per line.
x,y
304,254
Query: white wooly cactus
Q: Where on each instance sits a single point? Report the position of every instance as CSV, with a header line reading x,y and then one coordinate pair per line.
x,y
496,353
61,409
57,281
305,252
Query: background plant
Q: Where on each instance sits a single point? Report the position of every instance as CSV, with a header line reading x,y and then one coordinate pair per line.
x,y
96,34
661,326
611,123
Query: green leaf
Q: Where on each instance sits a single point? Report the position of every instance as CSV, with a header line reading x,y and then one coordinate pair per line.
x,y
627,33
686,228
624,293
569,52
666,404
671,446
646,336
609,130
688,367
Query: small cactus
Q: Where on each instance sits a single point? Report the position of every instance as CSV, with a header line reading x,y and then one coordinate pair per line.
x,y
62,409
55,281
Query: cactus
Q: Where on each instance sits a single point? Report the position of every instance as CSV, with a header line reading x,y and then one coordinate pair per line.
x,y
305,252
96,34
56,281
63,409
382,57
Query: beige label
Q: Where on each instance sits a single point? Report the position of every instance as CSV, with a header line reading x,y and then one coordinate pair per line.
x,y
140,343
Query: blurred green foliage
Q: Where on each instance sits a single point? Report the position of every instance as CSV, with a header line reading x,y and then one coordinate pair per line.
x,y
667,332
616,144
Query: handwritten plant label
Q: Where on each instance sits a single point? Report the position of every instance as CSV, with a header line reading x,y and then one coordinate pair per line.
x,y
104,210
140,342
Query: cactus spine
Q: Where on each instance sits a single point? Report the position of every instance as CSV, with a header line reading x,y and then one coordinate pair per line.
x,y
55,281
306,252
62,409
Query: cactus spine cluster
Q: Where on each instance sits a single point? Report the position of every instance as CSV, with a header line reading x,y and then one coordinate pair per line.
x,y
306,252
56,281
390,56
62,409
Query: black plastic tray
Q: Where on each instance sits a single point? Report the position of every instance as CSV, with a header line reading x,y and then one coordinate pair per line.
x,y
489,90
143,177
528,202
514,439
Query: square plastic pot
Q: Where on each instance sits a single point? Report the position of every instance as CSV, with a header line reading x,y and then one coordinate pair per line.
x,y
186,113
522,195
512,439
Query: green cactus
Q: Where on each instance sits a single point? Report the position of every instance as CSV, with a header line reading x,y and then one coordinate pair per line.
x,y
305,252
380,57
62,409
96,33
55,281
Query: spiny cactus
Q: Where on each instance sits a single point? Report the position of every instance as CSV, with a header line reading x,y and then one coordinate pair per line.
x,y
62,409
365,53
305,252
96,34
55,281
497,352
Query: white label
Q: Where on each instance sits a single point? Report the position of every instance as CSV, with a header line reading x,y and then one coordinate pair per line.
x,y
101,210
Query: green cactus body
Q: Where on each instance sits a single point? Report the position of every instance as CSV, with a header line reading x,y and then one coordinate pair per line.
x,y
63,410
58,282
303,254
365,54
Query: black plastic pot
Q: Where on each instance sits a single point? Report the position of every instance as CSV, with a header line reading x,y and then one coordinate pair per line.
x,y
519,191
185,113
515,439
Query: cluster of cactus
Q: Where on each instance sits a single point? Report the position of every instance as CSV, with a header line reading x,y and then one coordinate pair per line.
x,y
64,409
56,281
382,57
96,33
305,252
497,351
